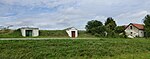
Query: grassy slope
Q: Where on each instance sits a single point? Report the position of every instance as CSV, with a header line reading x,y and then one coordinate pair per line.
x,y
53,33
10,34
62,34
76,49
45,34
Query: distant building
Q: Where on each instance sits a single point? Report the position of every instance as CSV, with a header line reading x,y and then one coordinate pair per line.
x,y
134,30
27,31
72,32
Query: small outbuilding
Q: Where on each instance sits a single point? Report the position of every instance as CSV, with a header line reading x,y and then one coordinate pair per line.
x,y
29,32
72,32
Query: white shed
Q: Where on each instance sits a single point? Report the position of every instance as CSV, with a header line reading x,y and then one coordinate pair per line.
x,y
27,31
72,32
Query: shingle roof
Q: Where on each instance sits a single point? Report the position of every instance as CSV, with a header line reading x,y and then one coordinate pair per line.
x,y
139,26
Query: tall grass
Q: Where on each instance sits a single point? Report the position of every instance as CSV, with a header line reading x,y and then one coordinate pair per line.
x,y
10,34
44,34
53,33
75,49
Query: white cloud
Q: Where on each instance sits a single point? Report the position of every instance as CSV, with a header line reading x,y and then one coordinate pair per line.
x,y
60,14
39,3
131,17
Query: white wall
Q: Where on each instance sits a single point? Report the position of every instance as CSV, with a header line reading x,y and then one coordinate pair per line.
x,y
35,32
70,32
141,33
23,32
135,31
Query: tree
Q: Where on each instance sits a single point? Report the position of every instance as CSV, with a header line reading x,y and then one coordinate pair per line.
x,y
147,26
95,27
92,24
119,29
110,25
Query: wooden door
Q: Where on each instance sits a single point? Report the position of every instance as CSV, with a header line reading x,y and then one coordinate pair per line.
x,y
73,34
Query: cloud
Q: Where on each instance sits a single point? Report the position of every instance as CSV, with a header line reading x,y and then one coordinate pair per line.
x,y
131,17
60,14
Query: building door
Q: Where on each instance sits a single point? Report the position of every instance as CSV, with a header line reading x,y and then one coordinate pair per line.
x,y
73,34
28,32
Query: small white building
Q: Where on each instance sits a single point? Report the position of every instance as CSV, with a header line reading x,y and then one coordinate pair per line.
x,y
134,30
72,32
27,31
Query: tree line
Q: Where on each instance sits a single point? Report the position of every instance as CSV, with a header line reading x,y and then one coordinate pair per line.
x,y
110,28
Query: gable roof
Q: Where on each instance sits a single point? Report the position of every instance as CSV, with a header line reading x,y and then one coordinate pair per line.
x,y
28,28
70,28
138,26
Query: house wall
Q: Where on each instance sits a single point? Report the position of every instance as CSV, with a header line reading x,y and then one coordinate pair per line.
x,y
35,32
141,33
135,32
70,34
23,32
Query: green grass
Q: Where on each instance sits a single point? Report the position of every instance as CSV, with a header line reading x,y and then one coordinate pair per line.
x,y
62,34
75,49
44,34
53,33
10,34
83,34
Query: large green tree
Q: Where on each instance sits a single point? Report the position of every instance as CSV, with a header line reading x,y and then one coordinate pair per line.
x,y
119,29
147,26
95,27
110,25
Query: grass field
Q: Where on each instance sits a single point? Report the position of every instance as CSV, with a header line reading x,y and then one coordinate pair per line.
x,y
75,49
43,34
10,34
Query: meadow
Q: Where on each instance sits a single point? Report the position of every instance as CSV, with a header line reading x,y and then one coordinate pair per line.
x,y
106,48
43,34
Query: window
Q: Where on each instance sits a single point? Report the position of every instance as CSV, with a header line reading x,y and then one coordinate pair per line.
x,y
130,27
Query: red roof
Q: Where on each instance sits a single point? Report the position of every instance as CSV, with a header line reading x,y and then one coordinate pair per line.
x,y
139,26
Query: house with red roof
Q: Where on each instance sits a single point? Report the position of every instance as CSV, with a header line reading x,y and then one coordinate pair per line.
x,y
134,30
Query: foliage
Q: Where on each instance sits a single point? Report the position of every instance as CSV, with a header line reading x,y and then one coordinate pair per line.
x,y
119,29
75,49
110,25
110,29
95,27
147,25
92,25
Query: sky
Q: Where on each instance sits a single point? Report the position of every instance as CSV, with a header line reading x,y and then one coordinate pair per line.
x,y
61,14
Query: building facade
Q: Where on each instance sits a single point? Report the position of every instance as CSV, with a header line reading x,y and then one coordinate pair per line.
x,y
135,30
27,32
72,32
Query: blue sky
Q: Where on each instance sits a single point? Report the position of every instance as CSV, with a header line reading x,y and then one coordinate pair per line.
x,y
60,14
